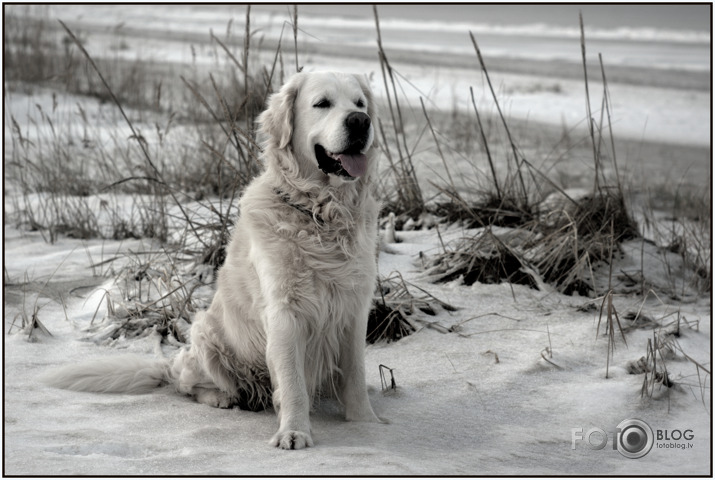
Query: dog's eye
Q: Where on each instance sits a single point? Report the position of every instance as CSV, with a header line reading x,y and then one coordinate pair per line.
x,y
324,103
360,103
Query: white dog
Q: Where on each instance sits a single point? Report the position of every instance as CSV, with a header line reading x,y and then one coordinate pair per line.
x,y
289,317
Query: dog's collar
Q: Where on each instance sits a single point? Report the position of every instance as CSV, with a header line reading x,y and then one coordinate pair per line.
x,y
286,198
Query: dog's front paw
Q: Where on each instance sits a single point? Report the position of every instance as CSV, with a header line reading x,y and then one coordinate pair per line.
x,y
291,440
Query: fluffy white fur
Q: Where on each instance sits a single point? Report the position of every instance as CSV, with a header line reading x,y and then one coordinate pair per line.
x,y
289,316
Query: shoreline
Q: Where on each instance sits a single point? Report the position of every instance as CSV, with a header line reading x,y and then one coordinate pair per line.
x,y
643,161
566,157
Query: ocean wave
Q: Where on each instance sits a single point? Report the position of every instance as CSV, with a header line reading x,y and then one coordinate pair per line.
x,y
627,59
641,34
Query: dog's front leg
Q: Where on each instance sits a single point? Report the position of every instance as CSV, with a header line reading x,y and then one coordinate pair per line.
x,y
285,355
353,389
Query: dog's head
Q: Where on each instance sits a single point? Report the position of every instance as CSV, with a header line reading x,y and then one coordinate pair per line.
x,y
325,120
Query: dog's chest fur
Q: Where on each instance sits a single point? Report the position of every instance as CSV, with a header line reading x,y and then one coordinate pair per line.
x,y
334,253
325,257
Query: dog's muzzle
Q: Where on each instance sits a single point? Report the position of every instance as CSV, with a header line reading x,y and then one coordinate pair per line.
x,y
350,162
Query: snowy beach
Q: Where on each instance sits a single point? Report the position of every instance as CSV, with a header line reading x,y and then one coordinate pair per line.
x,y
658,70
506,384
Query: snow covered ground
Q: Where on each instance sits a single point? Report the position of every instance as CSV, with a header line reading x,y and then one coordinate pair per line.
x,y
481,399
504,385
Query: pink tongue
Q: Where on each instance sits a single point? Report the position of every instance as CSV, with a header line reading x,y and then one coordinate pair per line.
x,y
355,165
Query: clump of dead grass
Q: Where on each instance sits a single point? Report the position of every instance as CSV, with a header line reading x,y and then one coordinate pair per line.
x,y
396,310
562,247
579,234
153,294
663,347
484,258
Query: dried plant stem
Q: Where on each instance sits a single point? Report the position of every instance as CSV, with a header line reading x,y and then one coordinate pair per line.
x,y
295,36
486,146
607,103
246,49
501,116
592,133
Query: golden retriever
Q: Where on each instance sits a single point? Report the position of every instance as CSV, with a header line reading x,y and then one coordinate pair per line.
x,y
289,317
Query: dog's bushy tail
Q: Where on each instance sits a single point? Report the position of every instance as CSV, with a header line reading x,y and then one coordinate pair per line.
x,y
124,374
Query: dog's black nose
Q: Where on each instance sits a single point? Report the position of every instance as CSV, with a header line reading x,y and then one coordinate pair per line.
x,y
357,122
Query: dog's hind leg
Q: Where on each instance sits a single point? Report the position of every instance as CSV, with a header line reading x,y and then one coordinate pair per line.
x,y
210,371
214,397
190,379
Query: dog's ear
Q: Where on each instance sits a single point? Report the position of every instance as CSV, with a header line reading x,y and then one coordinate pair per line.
x,y
276,121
